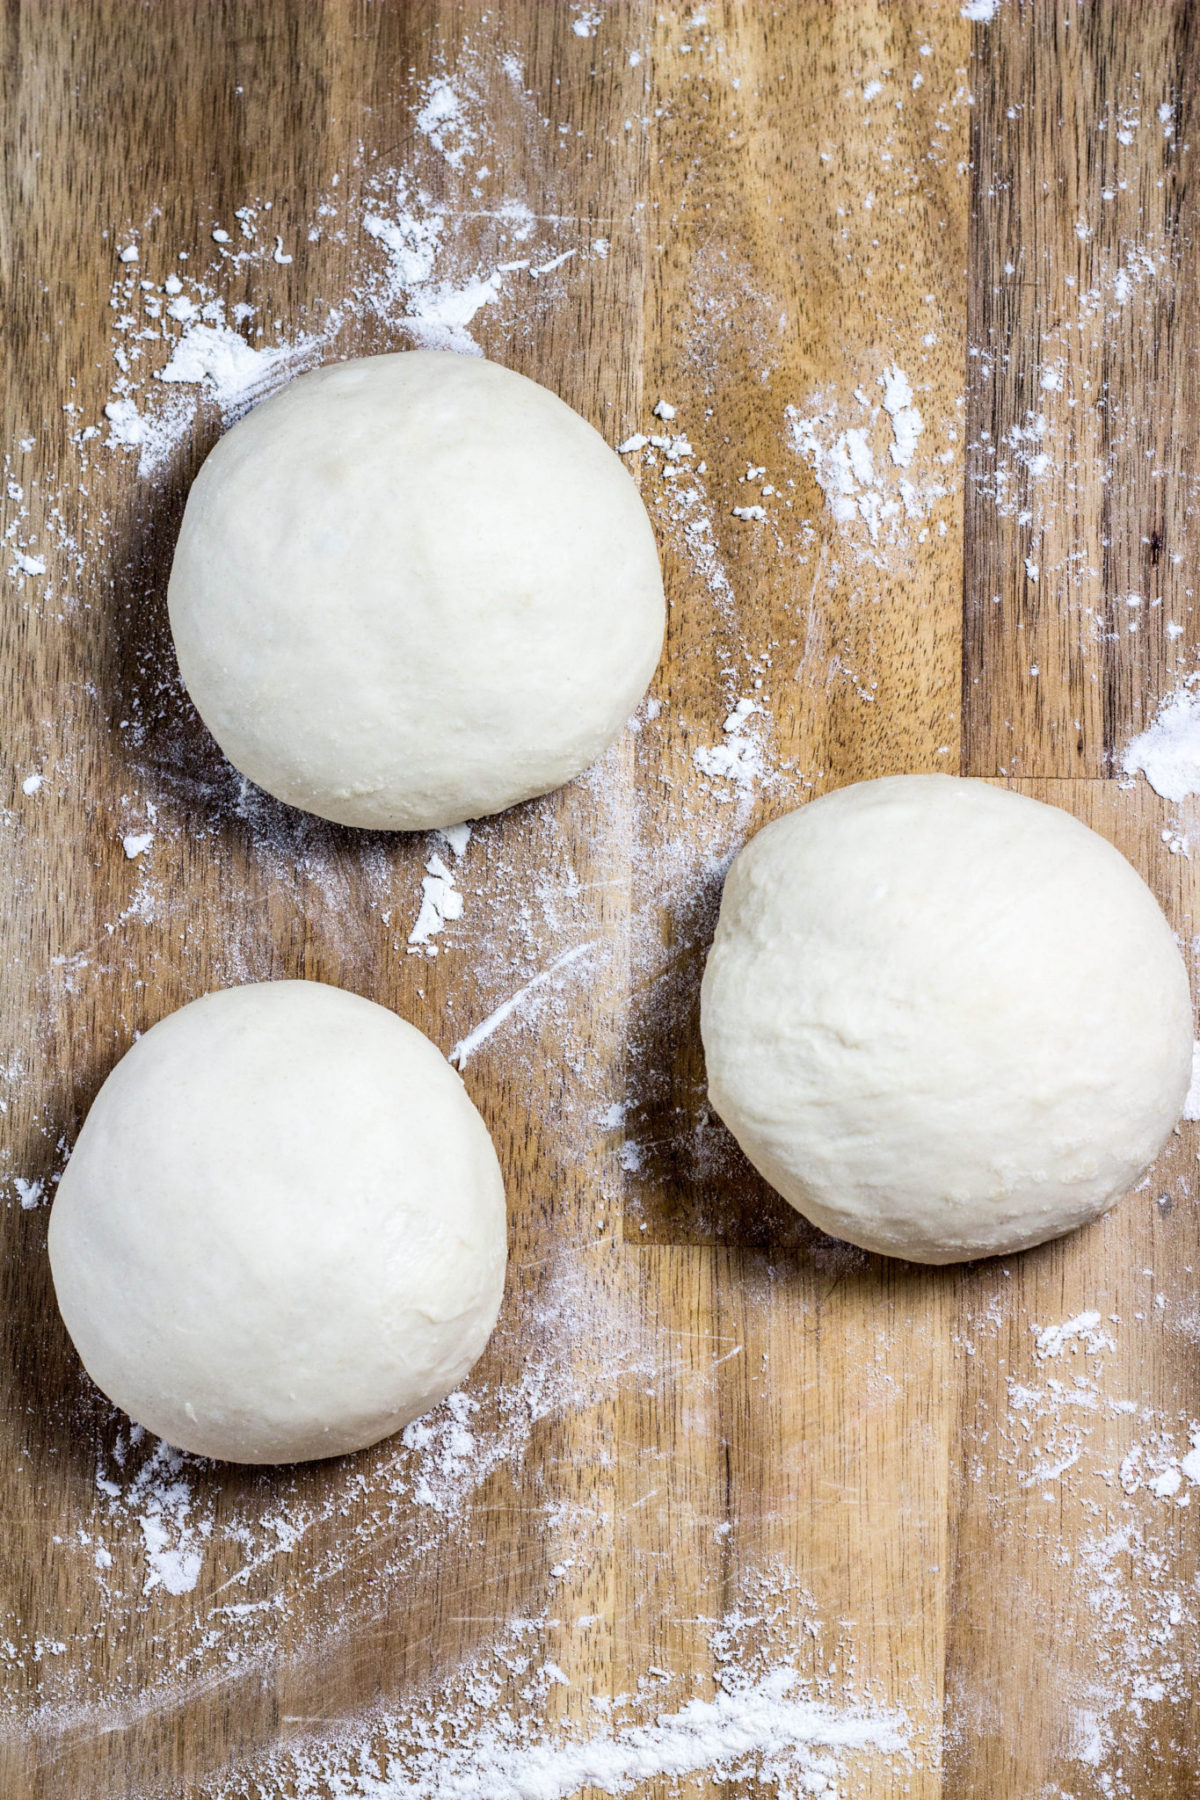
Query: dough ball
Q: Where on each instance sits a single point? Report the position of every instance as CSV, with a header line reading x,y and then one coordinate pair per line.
x,y
282,1231
410,590
943,1020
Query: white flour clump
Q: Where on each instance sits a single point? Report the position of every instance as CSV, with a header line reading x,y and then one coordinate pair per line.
x,y
236,371
906,420
1191,1105
441,902
739,758
861,467
458,837
1080,1332
436,312
1168,752
442,120
159,1498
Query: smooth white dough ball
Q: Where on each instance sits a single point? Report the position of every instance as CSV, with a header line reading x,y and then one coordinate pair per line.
x,y
410,590
281,1234
943,1020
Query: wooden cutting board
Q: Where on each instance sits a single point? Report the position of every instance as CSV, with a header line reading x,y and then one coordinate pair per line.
x,y
705,1439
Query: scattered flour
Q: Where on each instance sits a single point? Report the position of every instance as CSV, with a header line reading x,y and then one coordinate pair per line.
x,y
762,1732
518,1002
761,1722
681,505
1068,431
429,285
1116,1471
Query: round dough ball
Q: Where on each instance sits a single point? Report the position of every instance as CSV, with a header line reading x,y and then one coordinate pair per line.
x,y
410,590
282,1231
943,1020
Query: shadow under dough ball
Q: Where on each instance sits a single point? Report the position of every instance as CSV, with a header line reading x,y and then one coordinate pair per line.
x,y
414,589
944,1020
282,1231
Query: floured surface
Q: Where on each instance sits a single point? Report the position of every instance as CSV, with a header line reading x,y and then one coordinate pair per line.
x,y
726,1506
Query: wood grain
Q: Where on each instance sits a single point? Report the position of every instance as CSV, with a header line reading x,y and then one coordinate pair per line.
x,y
1078,618
793,201
854,640
1082,479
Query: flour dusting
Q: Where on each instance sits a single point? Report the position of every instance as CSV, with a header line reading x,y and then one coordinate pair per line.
x,y
760,1721
1075,1441
520,1002
761,1731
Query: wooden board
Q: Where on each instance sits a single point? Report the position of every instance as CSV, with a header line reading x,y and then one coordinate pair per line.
x,y
705,1438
